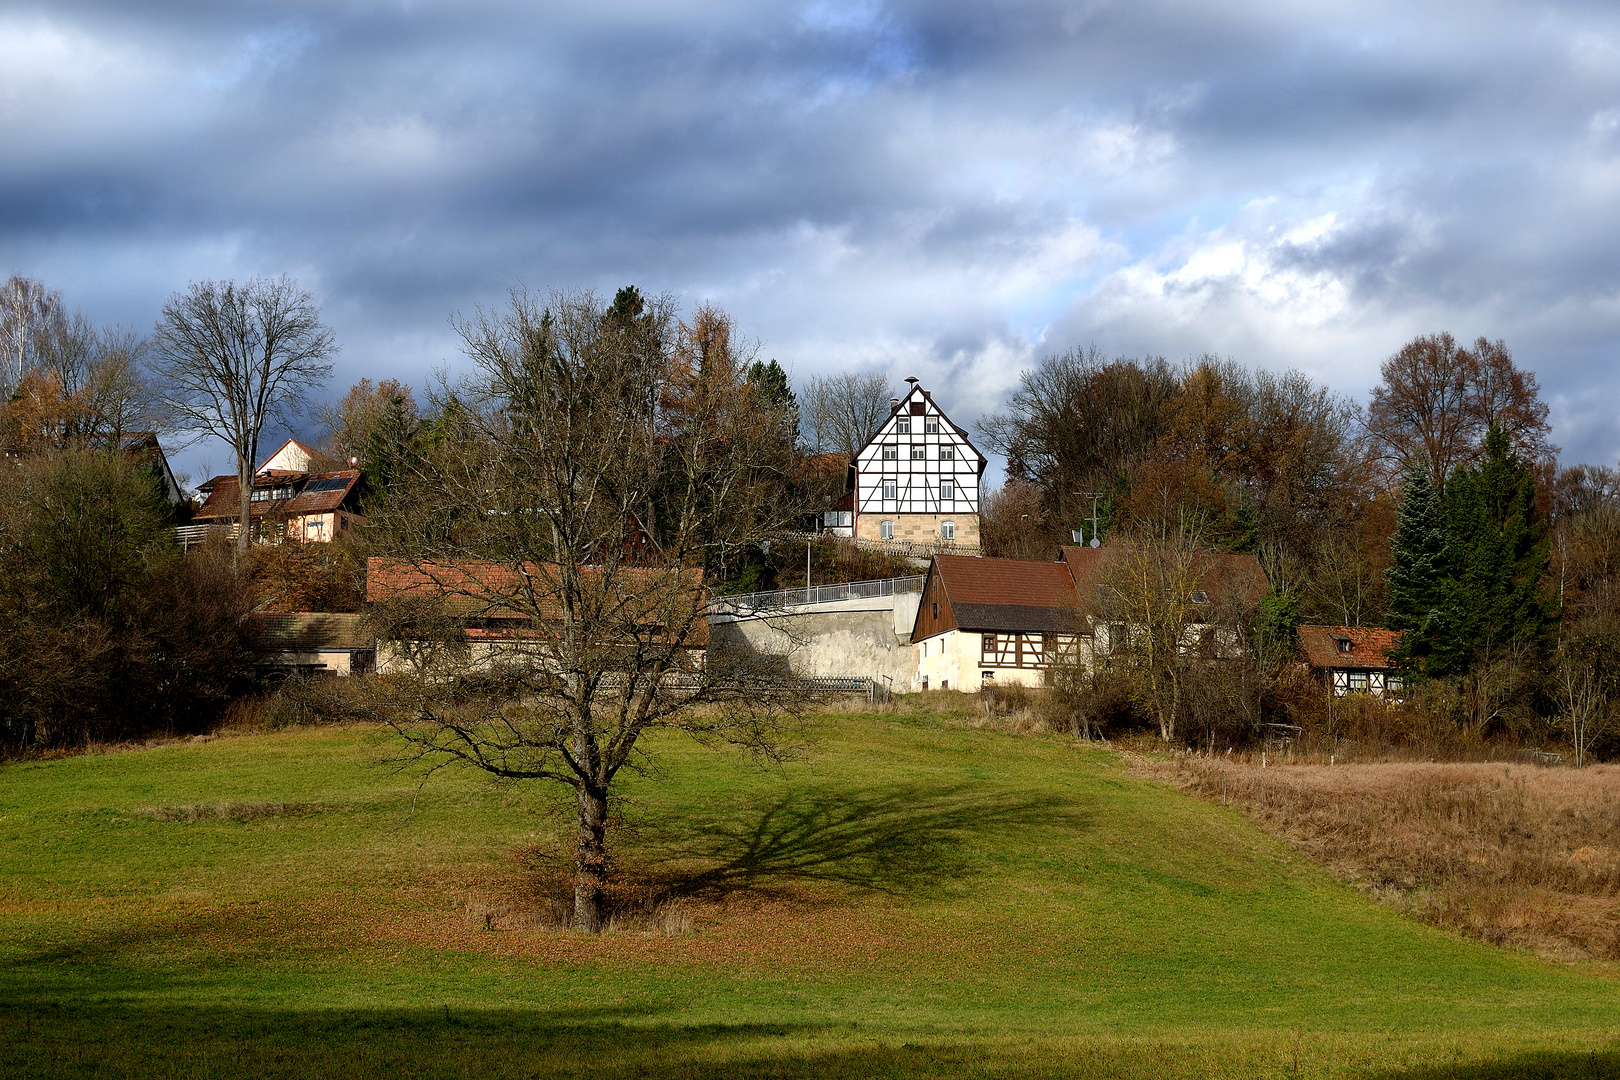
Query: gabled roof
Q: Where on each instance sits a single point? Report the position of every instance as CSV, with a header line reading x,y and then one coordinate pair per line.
x,y
1222,574
1368,647
1011,596
313,493
918,396
291,456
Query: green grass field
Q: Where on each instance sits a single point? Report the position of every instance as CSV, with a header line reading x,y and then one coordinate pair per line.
x,y
911,898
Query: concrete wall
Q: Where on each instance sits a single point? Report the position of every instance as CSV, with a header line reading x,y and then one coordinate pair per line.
x,y
868,638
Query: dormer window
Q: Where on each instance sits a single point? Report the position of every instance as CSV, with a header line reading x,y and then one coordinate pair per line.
x,y
1344,645
1199,596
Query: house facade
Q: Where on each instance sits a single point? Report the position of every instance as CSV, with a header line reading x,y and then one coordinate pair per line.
x,y
309,643
994,622
289,502
1352,659
917,480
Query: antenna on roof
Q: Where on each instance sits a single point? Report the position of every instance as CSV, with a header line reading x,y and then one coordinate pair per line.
x,y
912,379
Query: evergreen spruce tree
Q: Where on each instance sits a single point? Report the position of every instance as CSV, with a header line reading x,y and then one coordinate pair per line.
x,y
1496,555
1417,578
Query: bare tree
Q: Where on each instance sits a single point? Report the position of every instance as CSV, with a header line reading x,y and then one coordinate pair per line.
x,y
230,356
845,411
1153,595
587,427
1438,398
27,309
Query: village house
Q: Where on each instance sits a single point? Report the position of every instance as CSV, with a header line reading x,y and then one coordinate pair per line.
x,y
492,608
309,643
916,481
1003,621
1352,659
291,499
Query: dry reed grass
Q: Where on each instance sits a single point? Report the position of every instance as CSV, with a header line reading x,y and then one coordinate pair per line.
x,y
1510,854
235,811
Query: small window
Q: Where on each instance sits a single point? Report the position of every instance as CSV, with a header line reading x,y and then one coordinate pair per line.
x,y
1199,596
936,609
931,425
891,489
987,646
886,530
947,530
947,453
925,648
1343,643
947,490
925,682
1358,681
919,453
903,426
891,453
918,408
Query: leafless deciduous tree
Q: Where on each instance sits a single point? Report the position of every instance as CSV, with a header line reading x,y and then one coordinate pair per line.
x,y
587,428
1438,398
230,356
844,411
1153,593
27,309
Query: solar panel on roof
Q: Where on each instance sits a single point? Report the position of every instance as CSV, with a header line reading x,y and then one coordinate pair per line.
x,y
334,483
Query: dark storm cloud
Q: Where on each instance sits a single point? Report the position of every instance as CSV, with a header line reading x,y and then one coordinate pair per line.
x,y
936,189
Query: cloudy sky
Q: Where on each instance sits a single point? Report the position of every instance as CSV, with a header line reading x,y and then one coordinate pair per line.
x,y
946,190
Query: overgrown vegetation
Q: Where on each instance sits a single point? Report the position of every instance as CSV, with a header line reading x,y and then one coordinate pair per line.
x,y
1511,854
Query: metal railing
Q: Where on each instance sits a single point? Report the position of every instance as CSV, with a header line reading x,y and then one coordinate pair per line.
x,y
815,594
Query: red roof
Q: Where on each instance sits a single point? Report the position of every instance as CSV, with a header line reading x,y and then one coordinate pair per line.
x,y
1010,595
1221,574
1348,647
313,493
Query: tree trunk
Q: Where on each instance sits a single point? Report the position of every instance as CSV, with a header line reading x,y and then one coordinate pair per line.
x,y
590,861
244,491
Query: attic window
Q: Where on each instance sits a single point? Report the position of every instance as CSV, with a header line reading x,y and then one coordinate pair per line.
x,y
903,426
931,425
891,453
918,408
1343,643
946,453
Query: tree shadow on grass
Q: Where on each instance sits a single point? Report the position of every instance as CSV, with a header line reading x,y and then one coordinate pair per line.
x,y
40,1036
906,841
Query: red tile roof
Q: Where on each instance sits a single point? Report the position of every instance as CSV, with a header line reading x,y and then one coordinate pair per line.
x,y
1008,595
1369,647
1222,574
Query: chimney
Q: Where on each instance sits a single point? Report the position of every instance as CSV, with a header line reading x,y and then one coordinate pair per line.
x,y
894,405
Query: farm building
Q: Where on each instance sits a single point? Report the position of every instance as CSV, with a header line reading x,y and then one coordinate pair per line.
x,y
289,501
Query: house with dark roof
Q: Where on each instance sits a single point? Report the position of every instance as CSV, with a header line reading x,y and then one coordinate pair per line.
x,y
993,620
309,642
1352,659
999,621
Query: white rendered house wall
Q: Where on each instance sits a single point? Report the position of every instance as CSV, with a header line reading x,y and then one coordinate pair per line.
x,y
919,474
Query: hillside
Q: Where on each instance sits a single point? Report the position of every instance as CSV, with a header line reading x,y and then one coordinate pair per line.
x,y
911,898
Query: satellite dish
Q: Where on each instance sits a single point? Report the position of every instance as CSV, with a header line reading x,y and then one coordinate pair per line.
x,y
1096,542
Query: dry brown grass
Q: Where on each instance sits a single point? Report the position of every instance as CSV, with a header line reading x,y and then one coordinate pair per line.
x,y
232,811
1510,854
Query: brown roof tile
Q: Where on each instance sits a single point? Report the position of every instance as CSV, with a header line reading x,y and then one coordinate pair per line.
x,y
305,631
1008,595
1369,647
316,493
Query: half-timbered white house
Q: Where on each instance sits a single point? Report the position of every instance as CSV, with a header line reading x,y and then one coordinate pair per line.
x,y
918,478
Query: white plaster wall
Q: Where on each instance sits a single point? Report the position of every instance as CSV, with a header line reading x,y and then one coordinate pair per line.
x,y
868,638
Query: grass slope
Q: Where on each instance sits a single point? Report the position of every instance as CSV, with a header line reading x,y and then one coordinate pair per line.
x,y
913,898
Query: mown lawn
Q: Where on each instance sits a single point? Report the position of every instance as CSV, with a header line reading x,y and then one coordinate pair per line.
x,y
912,898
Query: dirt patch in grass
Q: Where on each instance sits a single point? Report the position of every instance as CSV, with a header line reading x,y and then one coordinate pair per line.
x,y
231,811
1510,854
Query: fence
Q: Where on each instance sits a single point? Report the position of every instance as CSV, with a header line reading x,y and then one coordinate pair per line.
x,y
917,549
190,536
749,603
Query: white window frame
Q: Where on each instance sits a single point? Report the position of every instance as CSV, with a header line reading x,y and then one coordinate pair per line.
x,y
947,530
947,491
891,490
886,529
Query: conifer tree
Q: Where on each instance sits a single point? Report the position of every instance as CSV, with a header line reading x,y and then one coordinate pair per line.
x,y
1496,554
1417,577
